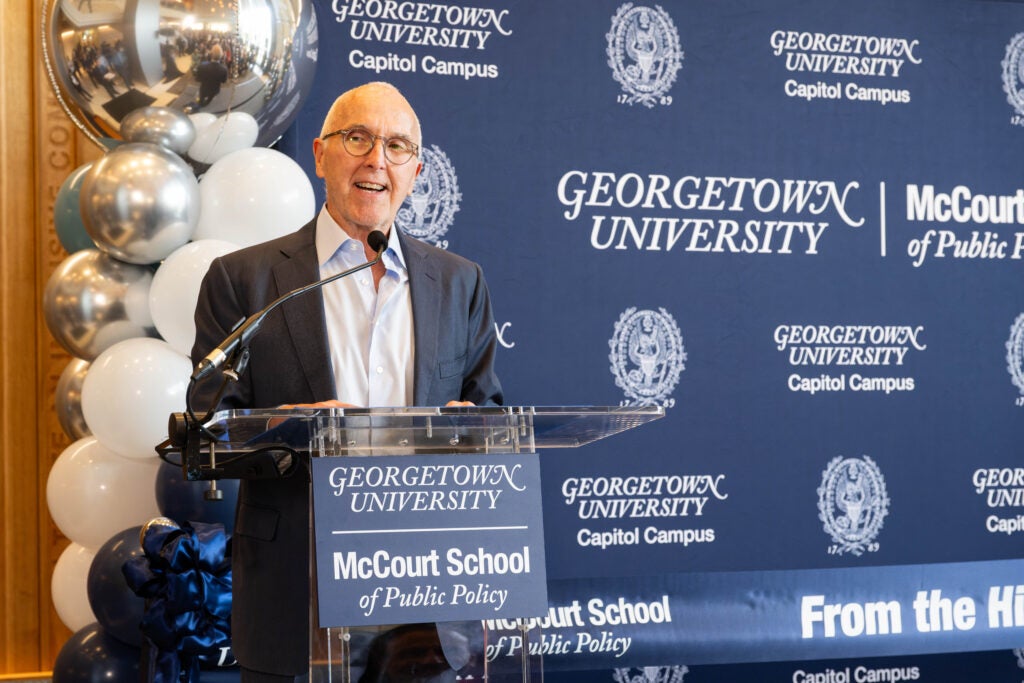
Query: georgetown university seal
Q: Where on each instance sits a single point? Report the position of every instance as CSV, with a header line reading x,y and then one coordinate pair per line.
x,y
1013,76
1015,353
647,356
430,208
852,503
651,674
644,54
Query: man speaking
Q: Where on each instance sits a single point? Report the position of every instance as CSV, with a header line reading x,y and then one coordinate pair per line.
x,y
415,329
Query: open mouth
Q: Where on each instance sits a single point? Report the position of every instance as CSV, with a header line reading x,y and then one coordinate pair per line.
x,y
371,187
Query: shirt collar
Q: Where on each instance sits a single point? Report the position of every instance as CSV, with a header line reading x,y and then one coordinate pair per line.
x,y
330,237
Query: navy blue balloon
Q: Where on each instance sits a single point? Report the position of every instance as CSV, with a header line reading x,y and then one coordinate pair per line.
x,y
118,610
183,500
93,656
220,675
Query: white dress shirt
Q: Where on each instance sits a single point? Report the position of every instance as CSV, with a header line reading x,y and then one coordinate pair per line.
x,y
369,331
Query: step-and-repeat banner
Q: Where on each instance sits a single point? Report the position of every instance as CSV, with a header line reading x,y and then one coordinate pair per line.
x,y
799,227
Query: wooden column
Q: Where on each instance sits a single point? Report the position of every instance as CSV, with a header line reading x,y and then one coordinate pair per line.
x,y
39,147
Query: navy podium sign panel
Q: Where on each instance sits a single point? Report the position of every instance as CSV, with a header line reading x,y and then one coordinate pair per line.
x,y
798,226
405,539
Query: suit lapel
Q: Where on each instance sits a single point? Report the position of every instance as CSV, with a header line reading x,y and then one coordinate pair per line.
x,y
304,315
424,288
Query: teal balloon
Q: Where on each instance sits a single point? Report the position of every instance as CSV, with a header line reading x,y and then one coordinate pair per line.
x,y
67,216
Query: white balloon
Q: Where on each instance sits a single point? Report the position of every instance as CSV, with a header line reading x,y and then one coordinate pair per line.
x,y
129,392
69,586
253,195
228,133
175,290
201,120
93,493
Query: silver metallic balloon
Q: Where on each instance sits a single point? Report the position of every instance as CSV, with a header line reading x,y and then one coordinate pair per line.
x,y
140,202
92,301
68,399
107,58
162,126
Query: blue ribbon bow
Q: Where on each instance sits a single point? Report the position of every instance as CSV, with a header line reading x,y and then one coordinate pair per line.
x,y
185,577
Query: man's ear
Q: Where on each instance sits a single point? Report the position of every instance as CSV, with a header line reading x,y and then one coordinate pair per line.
x,y
318,152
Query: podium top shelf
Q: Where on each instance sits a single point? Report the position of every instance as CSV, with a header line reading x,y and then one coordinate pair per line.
x,y
526,427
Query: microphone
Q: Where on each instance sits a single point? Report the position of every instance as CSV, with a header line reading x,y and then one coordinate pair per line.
x,y
241,335
378,241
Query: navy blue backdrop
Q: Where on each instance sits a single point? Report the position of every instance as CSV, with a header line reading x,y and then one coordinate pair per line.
x,y
798,226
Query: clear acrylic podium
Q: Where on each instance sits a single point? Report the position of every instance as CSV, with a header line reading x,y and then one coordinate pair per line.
x,y
247,444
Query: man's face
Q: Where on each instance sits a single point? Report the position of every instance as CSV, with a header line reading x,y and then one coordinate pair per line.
x,y
364,193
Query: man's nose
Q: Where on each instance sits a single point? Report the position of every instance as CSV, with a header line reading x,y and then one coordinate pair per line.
x,y
375,157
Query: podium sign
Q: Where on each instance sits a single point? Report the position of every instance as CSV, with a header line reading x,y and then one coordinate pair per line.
x,y
427,538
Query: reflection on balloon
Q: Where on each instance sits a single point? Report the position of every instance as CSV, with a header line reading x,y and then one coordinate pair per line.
x,y
162,126
129,392
92,656
92,492
140,202
229,133
118,610
67,216
69,586
154,55
183,500
68,399
92,301
254,195
175,290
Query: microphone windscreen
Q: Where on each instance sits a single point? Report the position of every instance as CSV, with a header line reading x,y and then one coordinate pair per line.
x,y
377,240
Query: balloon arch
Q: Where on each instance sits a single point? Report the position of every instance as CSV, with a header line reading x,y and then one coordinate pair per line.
x,y
186,177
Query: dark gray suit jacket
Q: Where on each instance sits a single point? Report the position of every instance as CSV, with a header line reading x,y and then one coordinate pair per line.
x,y
290,363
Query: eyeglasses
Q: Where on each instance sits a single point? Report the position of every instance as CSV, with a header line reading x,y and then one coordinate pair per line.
x,y
359,142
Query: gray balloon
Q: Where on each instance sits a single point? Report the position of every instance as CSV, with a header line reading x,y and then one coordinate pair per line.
x,y
92,301
107,59
68,399
140,202
162,126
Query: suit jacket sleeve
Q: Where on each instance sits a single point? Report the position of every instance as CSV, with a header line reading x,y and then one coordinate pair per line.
x,y
480,382
218,310
288,361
